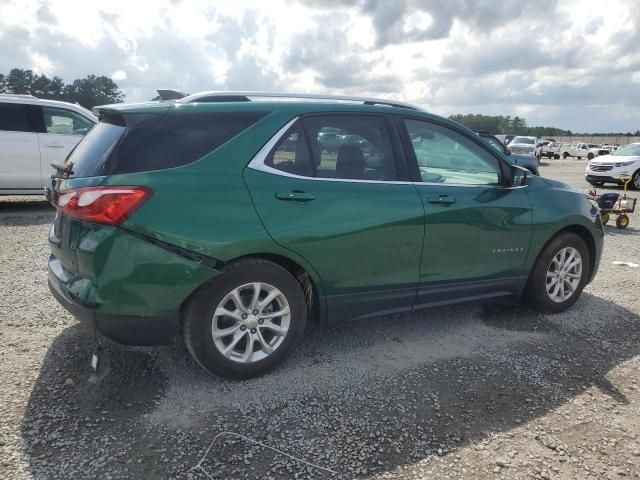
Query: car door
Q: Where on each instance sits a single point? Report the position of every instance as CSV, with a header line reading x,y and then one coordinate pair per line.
x,y
334,190
477,230
19,150
63,129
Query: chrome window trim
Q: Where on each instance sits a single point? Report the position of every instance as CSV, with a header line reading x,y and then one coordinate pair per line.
x,y
257,163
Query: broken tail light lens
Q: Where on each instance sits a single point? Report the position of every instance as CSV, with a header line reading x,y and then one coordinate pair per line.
x,y
107,205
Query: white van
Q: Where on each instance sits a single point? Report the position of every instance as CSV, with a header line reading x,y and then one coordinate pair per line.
x,y
33,134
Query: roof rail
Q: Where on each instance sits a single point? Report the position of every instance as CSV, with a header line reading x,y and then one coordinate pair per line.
x,y
17,95
223,96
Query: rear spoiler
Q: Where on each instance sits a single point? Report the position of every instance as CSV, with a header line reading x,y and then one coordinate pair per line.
x,y
166,94
102,111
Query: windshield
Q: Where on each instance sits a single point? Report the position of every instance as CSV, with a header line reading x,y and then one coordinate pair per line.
x,y
527,140
631,150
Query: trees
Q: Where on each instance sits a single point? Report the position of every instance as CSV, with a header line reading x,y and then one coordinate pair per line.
x,y
89,91
505,124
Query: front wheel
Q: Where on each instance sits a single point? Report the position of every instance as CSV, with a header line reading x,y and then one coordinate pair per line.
x,y
559,274
565,155
635,180
590,156
244,323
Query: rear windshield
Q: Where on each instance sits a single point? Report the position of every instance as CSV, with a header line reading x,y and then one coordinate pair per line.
x,y
143,142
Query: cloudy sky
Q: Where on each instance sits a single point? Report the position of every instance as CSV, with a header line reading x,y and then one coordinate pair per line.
x,y
570,63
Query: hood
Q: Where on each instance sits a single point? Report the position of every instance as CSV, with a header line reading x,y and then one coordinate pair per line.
x,y
608,159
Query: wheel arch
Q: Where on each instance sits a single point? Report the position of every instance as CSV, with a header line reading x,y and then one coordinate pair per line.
x,y
307,278
584,233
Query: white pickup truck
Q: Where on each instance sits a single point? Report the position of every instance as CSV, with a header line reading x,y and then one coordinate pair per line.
x,y
579,150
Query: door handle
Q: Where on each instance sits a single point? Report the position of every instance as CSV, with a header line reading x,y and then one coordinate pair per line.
x,y
54,146
442,200
295,196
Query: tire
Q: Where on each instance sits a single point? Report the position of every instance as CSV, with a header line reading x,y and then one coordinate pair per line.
x,y
556,157
200,320
622,221
564,155
635,180
590,156
536,289
605,218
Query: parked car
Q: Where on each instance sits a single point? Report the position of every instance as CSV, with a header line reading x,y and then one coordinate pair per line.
x,y
218,218
525,145
33,134
617,167
579,150
529,162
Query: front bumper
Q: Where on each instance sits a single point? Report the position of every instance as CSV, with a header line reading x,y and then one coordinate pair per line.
x,y
603,177
614,175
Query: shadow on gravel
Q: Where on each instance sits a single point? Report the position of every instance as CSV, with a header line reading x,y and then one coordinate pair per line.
x,y
363,399
26,211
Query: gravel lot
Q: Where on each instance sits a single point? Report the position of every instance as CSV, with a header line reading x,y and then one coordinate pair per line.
x,y
471,391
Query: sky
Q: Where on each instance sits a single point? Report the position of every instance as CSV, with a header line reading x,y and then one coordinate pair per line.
x,y
572,64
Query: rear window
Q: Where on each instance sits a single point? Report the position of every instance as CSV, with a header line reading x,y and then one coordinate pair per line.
x,y
144,142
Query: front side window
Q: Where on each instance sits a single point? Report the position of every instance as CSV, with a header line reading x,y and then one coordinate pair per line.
x,y
352,147
495,143
445,156
65,122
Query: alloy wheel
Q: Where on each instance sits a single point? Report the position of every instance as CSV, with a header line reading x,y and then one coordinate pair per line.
x,y
251,322
564,274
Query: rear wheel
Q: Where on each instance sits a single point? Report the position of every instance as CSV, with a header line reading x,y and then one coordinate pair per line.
x,y
605,218
556,157
565,155
244,323
559,274
590,156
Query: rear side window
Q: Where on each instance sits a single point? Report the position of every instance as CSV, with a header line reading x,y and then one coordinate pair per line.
x,y
183,138
291,154
351,147
144,142
15,117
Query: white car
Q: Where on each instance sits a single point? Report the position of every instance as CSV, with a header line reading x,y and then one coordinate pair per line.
x,y
618,167
33,134
522,145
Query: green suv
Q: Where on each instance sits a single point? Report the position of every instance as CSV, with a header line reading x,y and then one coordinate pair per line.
x,y
233,218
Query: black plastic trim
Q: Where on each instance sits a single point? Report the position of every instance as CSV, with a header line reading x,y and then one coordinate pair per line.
x,y
211,262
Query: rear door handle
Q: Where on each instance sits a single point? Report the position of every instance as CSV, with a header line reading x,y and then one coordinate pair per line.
x,y
54,146
295,196
442,200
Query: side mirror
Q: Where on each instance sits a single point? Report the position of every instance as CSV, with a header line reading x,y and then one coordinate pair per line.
x,y
519,176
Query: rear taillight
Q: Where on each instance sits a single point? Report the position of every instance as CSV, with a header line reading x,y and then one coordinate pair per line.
x,y
109,205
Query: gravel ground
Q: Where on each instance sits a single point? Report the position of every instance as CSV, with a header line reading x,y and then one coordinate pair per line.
x,y
471,391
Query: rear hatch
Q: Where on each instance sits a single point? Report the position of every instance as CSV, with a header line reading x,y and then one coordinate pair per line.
x,y
129,139
102,152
